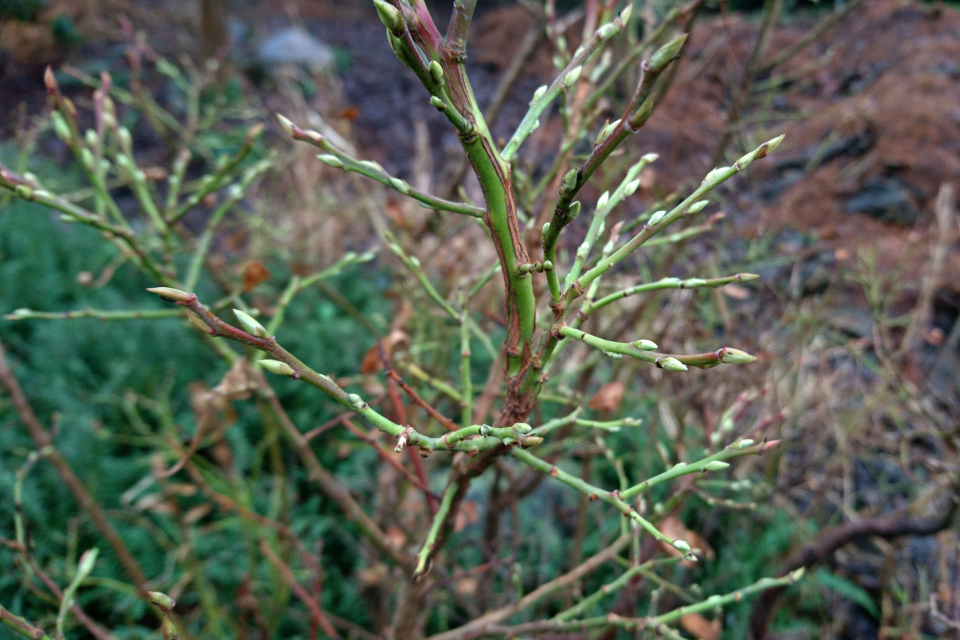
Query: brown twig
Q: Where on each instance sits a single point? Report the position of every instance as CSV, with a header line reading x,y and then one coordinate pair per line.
x,y
824,545
41,439
316,612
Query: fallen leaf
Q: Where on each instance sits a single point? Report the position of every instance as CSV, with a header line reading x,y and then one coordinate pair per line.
x,y
467,515
608,397
700,627
736,292
254,275
372,362
466,586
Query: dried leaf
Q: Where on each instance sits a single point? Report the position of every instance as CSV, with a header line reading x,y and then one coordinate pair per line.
x,y
608,398
374,575
396,538
736,292
372,362
700,627
254,275
238,383
466,586
467,515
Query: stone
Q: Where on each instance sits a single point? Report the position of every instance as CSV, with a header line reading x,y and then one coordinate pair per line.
x,y
294,46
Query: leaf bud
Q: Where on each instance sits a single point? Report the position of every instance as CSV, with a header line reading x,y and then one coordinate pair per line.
x,y
625,14
389,15
656,218
87,561
716,465
681,546
547,265
539,93
572,76
631,188
286,124
692,283
436,71
730,355
605,31
574,210
250,325
173,294
746,442
671,364
437,103
86,157
126,140
715,173
698,206
277,367
644,345
91,138
60,127
666,54
24,192
330,160
162,600
569,182
604,199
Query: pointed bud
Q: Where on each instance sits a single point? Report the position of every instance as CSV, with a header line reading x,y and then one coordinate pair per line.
x,y
605,31
698,206
656,218
330,160
746,442
286,124
87,561
173,294
797,573
24,192
666,54
539,93
746,277
436,71
681,546
671,364
250,325
631,188
715,173
644,345
729,355
162,600
60,127
626,13
611,354
574,210
530,441
569,182
773,144
604,199
716,465
277,367
572,76
545,230
437,103
389,15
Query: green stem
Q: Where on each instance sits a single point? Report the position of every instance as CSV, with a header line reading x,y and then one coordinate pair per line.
x,y
734,450
610,497
426,551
